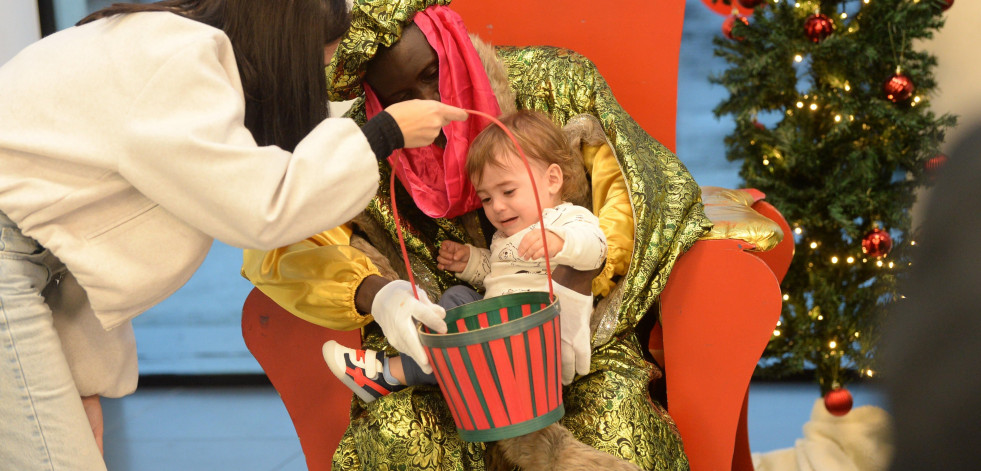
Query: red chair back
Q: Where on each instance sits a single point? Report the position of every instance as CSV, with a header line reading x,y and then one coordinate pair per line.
x,y
634,44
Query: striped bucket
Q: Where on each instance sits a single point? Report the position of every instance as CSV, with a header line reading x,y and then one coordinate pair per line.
x,y
499,365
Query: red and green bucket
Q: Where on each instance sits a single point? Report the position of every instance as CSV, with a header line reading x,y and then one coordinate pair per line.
x,y
499,363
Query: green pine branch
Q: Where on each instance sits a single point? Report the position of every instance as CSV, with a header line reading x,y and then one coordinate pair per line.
x,y
815,132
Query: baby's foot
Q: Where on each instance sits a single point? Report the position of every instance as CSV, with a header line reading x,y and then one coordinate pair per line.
x,y
363,371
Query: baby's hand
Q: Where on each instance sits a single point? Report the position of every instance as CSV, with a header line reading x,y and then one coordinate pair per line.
x,y
453,256
531,247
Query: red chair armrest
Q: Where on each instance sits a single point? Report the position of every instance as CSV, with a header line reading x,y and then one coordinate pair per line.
x,y
718,312
289,351
779,257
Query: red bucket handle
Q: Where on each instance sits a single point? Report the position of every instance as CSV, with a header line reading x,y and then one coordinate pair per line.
x,y
538,204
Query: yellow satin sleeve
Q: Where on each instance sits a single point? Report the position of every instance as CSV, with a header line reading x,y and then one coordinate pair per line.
x,y
314,279
611,204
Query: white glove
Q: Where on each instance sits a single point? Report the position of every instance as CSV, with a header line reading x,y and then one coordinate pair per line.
x,y
396,311
575,309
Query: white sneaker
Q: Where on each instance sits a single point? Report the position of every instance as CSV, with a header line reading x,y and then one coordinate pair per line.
x,y
360,370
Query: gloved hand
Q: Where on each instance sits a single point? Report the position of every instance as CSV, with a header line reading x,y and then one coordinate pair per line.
x,y
396,311
575,310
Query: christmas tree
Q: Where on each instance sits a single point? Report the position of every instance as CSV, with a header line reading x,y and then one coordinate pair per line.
x,y
831,105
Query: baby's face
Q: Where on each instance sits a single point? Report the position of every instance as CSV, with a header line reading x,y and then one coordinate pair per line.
x,y
508,197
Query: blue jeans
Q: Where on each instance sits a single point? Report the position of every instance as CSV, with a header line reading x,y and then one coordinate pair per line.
x,y
43,425
454,296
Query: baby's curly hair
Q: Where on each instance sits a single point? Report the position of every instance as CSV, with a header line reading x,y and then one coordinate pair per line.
x,y
542,140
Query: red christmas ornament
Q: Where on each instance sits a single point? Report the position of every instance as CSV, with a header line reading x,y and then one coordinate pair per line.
x,y
838,402
898,88
729,22
754,3
818,27
946,4
876,243
935,163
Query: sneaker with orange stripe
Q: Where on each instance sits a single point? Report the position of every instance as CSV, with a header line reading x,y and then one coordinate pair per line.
x,y
360,370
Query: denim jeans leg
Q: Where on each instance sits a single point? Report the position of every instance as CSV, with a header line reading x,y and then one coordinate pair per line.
x,y
458,295
454,296
43,425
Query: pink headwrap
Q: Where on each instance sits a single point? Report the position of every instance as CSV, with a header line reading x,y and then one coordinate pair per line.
x,y
436,178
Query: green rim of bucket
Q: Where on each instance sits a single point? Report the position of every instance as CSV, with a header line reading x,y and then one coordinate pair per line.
x,y
516,430
507,329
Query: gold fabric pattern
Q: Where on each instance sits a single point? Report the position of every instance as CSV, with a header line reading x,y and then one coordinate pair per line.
x,y
374,24
606,316
733,217
608,408
668,215
627,425
413,429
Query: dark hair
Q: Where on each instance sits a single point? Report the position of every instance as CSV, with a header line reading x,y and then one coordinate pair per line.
x,y
541,140
279,49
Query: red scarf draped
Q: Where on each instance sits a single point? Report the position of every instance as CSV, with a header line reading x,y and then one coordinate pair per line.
x,y
436,178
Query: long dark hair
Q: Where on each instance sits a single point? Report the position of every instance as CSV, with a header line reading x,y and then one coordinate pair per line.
x,y
279,49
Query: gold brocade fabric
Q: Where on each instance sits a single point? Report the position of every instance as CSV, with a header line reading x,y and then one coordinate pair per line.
x,y
374,24
668,215
610,408
733,217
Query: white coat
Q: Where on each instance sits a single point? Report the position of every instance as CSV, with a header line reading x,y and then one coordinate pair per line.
x,y
123,151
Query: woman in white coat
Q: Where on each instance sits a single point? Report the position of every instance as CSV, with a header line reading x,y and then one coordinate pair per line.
x,y
127,144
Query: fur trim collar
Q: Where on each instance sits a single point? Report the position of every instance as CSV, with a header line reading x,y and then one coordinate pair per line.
x,y
497,72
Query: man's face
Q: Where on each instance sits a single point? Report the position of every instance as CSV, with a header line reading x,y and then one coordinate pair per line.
x,y
409,70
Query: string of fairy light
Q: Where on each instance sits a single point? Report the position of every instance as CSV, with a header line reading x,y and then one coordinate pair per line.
x,y
815,313
808,103
831,104
813,104
849,258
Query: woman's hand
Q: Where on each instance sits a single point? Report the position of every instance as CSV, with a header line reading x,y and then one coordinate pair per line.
x,y
93,410
453,256
531,247
422,120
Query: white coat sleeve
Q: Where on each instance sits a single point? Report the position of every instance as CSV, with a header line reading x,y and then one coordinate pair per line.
x,y
189,151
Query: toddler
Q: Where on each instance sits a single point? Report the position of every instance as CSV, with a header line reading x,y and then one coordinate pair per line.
x,y
515,261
